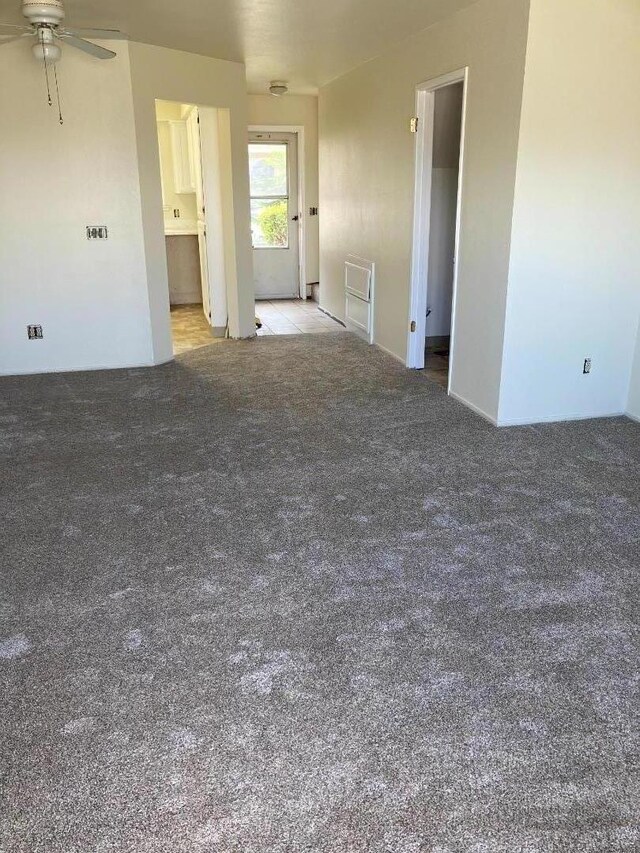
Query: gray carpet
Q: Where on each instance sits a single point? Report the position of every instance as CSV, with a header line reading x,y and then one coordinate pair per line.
x,y
284,595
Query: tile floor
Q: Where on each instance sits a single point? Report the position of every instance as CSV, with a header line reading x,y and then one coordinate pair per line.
x,y
294,317
189,329
279,317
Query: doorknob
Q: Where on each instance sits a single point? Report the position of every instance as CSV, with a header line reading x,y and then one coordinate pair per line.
x,y
295,218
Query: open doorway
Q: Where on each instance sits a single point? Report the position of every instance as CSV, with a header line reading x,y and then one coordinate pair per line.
x,y
275,214
439,154
445,165
192,150
278,233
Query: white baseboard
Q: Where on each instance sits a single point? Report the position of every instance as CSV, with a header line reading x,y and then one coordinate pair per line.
x,y
84,368
265,298
392,354
476,409
631,417
557,419
333,316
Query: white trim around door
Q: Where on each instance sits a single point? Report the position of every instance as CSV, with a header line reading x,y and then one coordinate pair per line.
x,y
302,229
425,109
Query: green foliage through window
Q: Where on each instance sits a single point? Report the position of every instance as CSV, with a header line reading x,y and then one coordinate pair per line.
x,y
273,223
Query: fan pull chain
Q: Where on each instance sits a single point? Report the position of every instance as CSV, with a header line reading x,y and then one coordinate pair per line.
x,y
55,74
46,68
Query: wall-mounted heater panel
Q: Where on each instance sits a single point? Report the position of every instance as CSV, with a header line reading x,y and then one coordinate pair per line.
x,y
359,277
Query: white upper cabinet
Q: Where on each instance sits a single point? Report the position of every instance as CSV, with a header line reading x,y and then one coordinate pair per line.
x,y
165,167
183,169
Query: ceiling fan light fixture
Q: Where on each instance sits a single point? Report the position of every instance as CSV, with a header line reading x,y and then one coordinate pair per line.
x,y
278,88
46,51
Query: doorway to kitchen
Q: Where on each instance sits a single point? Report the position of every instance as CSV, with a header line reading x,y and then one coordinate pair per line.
x,y
193,143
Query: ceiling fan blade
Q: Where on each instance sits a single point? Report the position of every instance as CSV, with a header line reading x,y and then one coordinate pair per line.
x,y
11,38
11,29
94,33
87,46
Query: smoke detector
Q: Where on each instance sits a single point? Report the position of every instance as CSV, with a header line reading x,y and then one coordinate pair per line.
x,y
278,87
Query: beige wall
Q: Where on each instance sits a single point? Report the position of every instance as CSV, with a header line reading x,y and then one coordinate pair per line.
x,y
103,304
447,120
171,75
367,179
297,110
444,198
89,296
573,283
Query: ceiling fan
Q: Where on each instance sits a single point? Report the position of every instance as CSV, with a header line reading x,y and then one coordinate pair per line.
x,y
46,26
45,19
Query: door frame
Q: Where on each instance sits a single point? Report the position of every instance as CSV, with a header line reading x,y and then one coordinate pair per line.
x,y
298,129
425,111
211,145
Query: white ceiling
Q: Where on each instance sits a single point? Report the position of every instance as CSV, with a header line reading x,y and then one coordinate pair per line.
x,y
305,42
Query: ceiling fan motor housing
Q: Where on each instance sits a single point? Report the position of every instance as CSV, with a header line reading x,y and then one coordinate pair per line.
x,y
45,48
49,12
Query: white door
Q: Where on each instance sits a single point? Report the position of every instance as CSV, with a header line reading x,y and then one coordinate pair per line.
x,y
275,218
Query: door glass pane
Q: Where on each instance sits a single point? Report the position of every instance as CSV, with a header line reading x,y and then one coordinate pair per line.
x,y
268,169
270,223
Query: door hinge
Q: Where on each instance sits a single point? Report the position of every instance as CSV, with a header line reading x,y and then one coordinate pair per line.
x,y
412,327
413,124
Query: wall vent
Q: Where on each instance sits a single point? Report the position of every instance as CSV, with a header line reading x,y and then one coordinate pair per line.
x,y
359,278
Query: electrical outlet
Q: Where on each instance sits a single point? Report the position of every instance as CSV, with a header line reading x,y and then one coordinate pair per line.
x,y
176,213
34,332
97,232
313,211
586,368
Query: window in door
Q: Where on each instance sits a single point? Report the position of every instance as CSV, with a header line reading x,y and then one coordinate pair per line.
x,y
269,188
